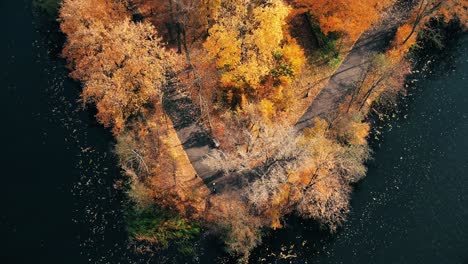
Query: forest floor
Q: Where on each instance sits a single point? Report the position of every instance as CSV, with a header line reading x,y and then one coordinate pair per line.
x,y
196,139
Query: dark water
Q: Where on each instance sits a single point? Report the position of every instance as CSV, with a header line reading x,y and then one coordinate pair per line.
x,y
58,204
57,200
413,205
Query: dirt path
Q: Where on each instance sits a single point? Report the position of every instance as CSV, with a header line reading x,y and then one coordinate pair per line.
x,y
194,137
352,68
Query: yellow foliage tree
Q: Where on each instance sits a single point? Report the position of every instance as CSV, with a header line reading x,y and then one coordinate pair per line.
x,y
247,43
350,129
266,108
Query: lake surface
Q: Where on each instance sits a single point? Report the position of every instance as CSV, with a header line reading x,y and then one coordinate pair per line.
x,y
58,204
413,205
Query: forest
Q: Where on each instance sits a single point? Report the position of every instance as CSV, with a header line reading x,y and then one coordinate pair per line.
x,y
229,115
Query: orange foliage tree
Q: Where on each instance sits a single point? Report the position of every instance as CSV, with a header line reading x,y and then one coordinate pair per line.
x,y
327,175
446,10
120,63
345,16
180,22
310,173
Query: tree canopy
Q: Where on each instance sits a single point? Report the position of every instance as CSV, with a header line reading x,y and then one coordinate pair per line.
x,y
345,16
248,43
121,63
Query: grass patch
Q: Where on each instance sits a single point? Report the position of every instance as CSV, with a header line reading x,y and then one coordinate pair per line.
x,y
161,228
335,61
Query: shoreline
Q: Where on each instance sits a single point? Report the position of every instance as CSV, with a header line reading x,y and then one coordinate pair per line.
x,y
305,235
372,128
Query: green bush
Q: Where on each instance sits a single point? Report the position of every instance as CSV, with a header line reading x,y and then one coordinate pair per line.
x,y
335,61
161,228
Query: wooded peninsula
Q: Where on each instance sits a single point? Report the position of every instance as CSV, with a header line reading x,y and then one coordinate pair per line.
x,y
229,115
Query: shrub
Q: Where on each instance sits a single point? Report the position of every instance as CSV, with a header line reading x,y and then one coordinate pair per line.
x,y
160,228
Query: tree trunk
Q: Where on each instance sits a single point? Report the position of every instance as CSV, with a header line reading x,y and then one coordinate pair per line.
x,y
367,95
184,42
422,12
179,39
357,90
